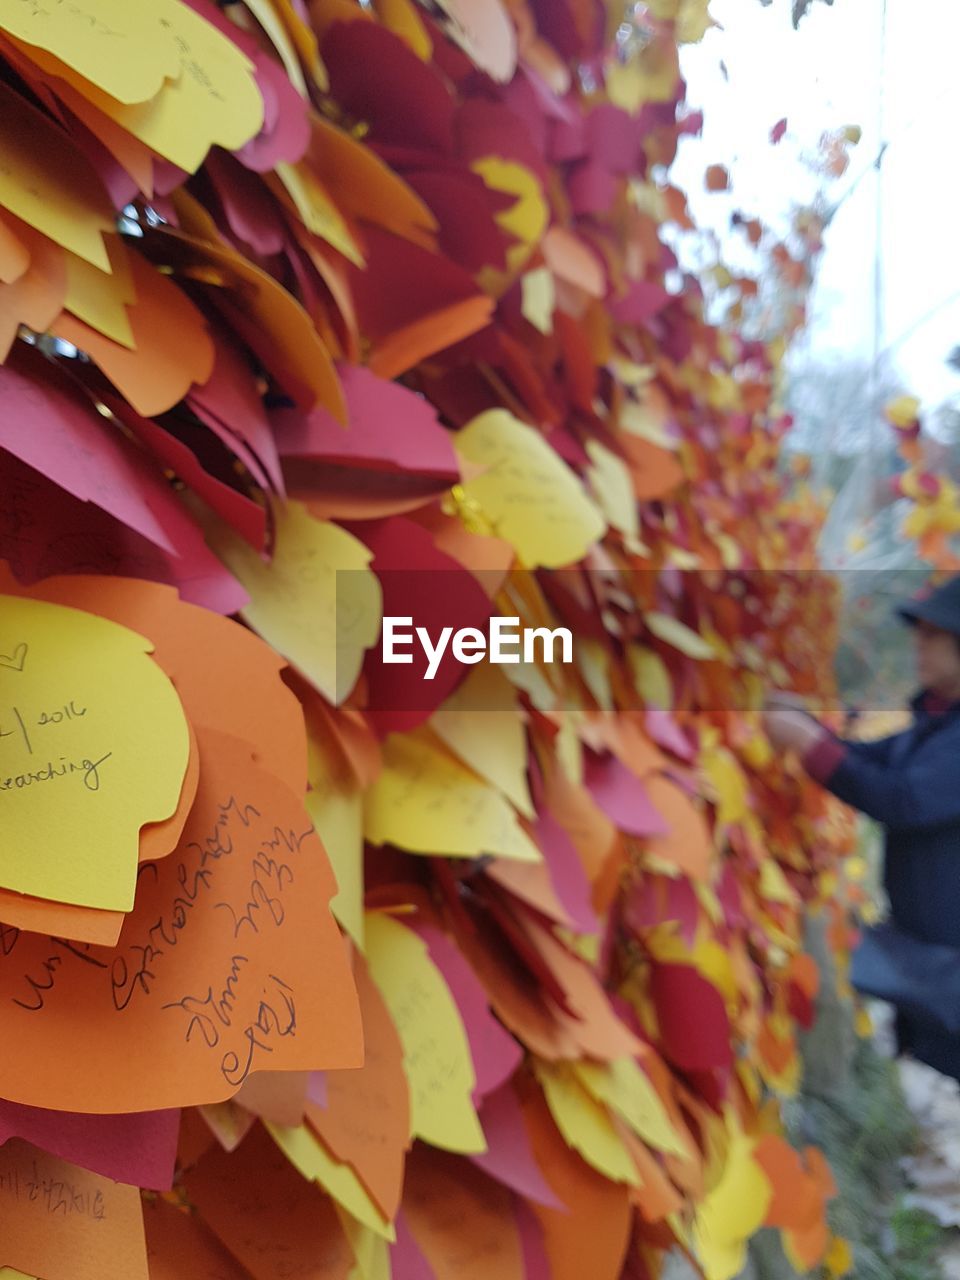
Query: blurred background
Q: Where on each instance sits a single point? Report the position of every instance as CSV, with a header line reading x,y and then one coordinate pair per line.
x,y
875,225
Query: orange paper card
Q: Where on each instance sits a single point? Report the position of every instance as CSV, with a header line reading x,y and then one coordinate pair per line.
x,y
273,1221
215,974
60,1222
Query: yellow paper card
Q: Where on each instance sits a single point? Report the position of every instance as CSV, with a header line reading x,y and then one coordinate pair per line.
x,y
532,680
316,602
425,801
279,37
625,1088
640,421
729,783
490,740
593,660
731,1212
774,885
585,1123
839,1257
310,1157
538,298
679,636
116,45
213,99
337,816
613,489
301,35
526,218
569,749
47,183
401,17
721,1259
93,744
651,678
528,494
360,1240
100,300
436,1053
690,16
371,1252
630,373
317,211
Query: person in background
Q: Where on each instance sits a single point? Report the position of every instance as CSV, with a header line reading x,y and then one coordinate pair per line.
x,y
910,783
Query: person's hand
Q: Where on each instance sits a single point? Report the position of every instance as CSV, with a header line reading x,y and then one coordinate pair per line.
x,y
789,729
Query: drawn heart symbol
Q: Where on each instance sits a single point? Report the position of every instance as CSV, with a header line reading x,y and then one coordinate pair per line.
x,y
15,660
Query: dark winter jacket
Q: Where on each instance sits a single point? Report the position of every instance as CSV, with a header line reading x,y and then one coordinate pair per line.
x,y
910,783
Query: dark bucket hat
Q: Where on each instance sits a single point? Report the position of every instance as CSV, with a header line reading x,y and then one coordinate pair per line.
x,y
941,608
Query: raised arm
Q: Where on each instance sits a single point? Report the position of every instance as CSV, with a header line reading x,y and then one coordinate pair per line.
x,y
924,793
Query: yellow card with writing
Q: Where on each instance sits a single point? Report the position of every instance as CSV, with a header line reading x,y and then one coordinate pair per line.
x,y
93,744
212,98
436,1053
114,44
426,801
481,723
528,494
625,1088
317,602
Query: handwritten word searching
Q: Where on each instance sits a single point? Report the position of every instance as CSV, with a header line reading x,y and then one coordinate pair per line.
x,y
506,643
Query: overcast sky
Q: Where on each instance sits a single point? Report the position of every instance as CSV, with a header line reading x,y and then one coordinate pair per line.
x,y
824,75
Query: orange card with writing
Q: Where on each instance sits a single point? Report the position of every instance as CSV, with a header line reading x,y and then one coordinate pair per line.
x,y
215,974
